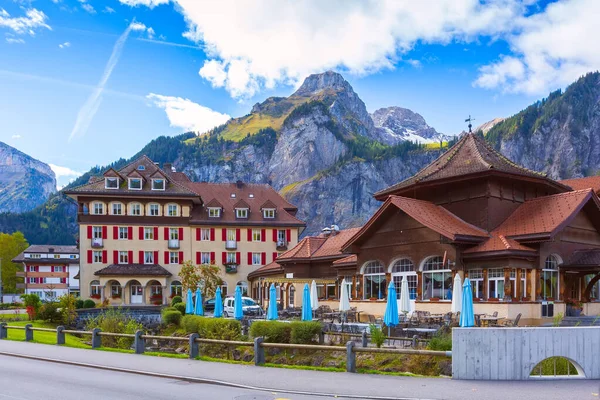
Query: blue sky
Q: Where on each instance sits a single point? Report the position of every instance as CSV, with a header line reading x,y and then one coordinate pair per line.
x,y
83,83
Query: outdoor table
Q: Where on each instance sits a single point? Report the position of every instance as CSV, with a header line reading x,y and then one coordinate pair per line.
x,y
434,318
332,316
427,332
485,321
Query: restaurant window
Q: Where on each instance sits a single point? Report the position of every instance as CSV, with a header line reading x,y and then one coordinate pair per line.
x,y
292,295
176,288
244,287
496,283
523,277
549,278
374,280
476,278
437,279
348,279
404,269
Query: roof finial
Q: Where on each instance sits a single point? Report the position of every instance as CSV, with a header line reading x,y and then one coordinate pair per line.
x,y
469,120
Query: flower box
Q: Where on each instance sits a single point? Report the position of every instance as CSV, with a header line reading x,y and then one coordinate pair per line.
x,y
95,296
434,299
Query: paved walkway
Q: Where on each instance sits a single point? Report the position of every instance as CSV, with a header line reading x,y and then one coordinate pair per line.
x,y
358,385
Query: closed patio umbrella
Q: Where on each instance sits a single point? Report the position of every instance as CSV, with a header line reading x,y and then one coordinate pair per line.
x,y
467,315
314,297
198,310
189,302
218,304
404,297
272,310
390,318
456,295
238,312
344,302
306,310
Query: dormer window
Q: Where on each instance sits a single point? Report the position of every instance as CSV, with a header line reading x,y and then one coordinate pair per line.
x,y
214,212
135,183
241,213
158,184
269,213
111,183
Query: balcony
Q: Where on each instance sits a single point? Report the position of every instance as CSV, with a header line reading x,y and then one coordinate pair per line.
x,y
282,245
231,268
20,274
97,243
231,245
173,243
20,286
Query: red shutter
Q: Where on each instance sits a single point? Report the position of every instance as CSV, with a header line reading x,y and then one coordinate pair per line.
x,y
263,235
155,258
115,232
238,235
238,258
104,257
141,253
89,231
130,232
223,234
198,258
224,257
212,257
249,234
180,233
288,235
89,257
264,258
130,257
141,233
275,235
115,257
104,232
52,268
212,234
249,258
156,233
166,231
166,257
181,257
275,256
197,234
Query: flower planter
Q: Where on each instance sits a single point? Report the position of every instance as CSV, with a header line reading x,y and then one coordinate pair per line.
x,y
434,299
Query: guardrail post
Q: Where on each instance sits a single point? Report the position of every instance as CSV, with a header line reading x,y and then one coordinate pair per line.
x,y
139,344
96,339
3,330
321,337
60,335
259,351
28,333
350,357
365,341
194,348
415,342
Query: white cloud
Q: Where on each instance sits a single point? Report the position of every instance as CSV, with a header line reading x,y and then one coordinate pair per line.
x,y
187,115
16,137
14,41
64,171
414,63
150,33
33,19
108,10
88,8
147,3
64,45
549,50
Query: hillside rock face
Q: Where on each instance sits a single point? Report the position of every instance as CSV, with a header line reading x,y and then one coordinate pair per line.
x,y
403,124
25,182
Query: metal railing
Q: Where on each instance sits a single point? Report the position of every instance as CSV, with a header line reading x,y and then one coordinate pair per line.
x,y
193,340
230,245
173,244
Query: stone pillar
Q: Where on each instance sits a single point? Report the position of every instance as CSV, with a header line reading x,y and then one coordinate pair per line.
x,y
485,284
28,333
259,351
143,295
124,300
350,357
165,294
60,335
102,294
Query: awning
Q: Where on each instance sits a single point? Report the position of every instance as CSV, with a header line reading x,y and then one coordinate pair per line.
x,y
299,280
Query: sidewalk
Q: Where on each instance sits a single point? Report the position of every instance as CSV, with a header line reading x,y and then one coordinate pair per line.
x,y
334,383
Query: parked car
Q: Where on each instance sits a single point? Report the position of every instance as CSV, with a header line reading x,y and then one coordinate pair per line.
x,y
209,305
249,307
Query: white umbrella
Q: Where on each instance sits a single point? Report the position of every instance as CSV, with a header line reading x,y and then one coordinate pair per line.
x,y
344,302
457,294
404,297
314,297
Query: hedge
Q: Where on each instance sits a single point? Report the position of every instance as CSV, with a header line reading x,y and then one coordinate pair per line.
x,y
305,332
179,307
79,303
213,328
89,303
171,317
282,332
176,300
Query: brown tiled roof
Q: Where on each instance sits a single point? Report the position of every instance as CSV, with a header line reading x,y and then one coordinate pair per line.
x,y
592,182
589,257
350,260
318,247
304,249
333,245
268,204
269,269
133,270
498,243
179,176
241,204
470,155
45,249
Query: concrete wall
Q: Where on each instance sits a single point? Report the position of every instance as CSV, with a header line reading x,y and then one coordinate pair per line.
x,y
512,353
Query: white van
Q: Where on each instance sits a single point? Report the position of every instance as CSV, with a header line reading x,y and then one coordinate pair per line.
x,y
249,307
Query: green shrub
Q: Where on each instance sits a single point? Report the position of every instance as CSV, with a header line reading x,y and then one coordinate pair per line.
x,y
180,307
213,328
114,320
176,300
171,317
79,303
377,335
272,331
305,332
89,303
440,343
49,312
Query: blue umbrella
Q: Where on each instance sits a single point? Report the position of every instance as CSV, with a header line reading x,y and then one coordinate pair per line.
x,y
272,311
391,309
238,313
218,304
189,303
467,315
198,310
306,309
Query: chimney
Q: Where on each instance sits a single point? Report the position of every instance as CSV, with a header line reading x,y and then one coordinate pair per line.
x,y
239,184
167,167
334,230
326,231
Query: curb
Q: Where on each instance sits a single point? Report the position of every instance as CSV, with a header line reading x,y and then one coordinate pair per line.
x,y
204,380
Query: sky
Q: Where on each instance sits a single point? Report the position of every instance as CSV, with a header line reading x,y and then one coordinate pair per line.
x,y
86,82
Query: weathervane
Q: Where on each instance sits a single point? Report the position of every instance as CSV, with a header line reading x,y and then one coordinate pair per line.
x,y
469,120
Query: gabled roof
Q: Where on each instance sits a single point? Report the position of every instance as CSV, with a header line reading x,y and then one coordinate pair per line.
x,y
499,243
111,172
241,204
592,182
269,269
48,249
304,249
135,174
319,247
470,155
214,203
133,270
268,204
346,261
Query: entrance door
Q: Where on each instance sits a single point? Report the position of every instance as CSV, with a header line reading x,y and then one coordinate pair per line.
x,y
137,294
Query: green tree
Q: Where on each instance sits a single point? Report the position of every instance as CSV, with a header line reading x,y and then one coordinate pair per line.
x,y
206,277
10,247
32,304
189,276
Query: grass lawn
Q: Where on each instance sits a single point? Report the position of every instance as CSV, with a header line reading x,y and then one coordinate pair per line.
x,y
43,337
13,317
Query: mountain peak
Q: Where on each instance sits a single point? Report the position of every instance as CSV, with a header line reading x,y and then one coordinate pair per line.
x,y
316,83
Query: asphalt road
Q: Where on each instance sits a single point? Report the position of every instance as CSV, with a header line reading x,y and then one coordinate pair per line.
x,y
23,379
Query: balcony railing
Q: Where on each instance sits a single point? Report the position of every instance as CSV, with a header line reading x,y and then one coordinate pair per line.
x,y
97,243
231,245
20,274
20,286
173,243
231,268
282,245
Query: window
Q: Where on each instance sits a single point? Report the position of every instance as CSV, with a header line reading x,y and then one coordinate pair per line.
x,y
35,256
374,280
174,257
256,235
348,285
404,269
224,289
269,213
231,258
172,210
57,256
244,287
476,277
214,212
205,234
135,183
154,209
115,290
98,208
97,257
496,283
176,288
95,288
32,280
73,256
231,235
173,234
281,236
155,290
523,293
158,184
256,258
205,257
31,268
97,232
241,213
117,209
123,257
51,295
135,209
58,268
148,233
123,233
111,183
148,257
437,280
549,278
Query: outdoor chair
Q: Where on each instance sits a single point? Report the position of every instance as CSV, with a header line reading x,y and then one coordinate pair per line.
x,y
514,323
495,314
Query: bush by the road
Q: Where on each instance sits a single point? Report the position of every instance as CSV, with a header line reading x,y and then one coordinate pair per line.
x,y
180,307
213,328
271,331
305,332
89,303
171,317
114,320
176,300
79,303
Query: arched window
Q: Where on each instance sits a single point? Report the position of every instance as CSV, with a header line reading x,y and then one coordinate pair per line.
x,y
95,289
292,295
549,278
115,290
97,208
404,269
437,279
244,287
374,280
176,289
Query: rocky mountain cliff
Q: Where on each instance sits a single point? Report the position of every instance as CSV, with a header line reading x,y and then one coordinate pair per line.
x,y
398,124
25,182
